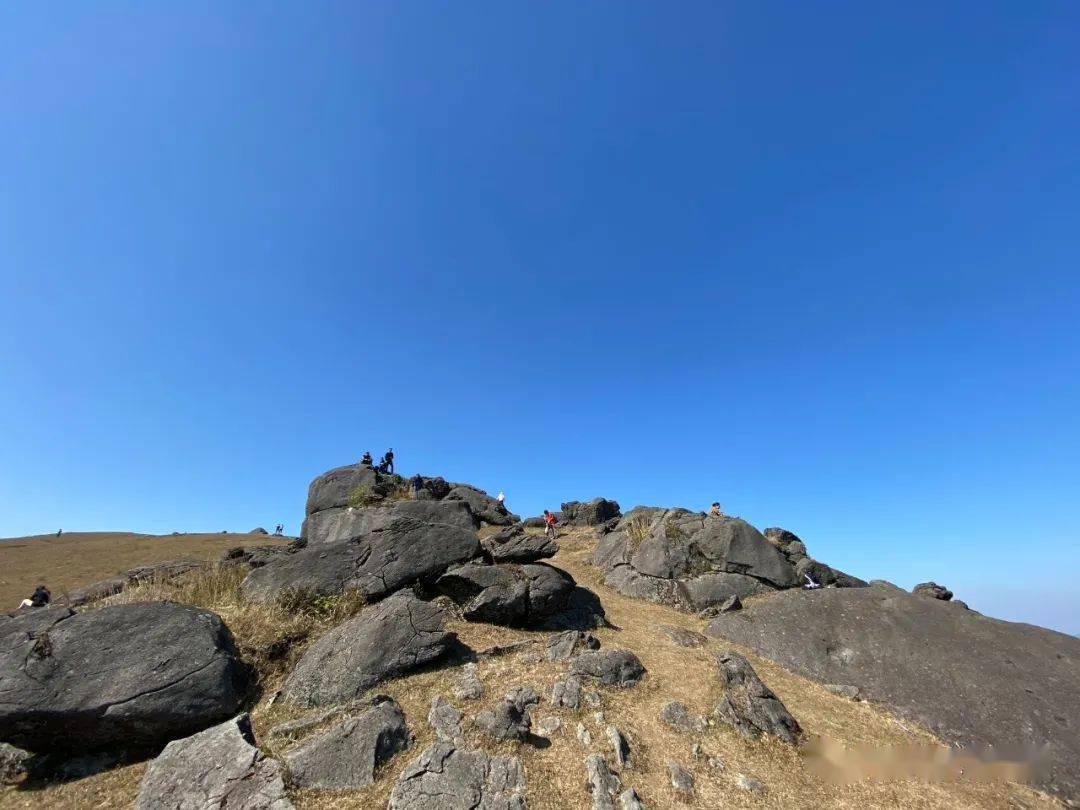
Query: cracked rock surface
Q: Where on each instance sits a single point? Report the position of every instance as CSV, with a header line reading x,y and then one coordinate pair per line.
x,y
345,756
514,545
216,768
510,719
135,675
446,777
512,595
415,541
388,639
611,666
749,705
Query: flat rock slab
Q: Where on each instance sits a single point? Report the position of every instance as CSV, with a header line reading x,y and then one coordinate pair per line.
x,y
346,522
216,768
682,636
395,636
134,675
418,544
345,756
445,777
973,680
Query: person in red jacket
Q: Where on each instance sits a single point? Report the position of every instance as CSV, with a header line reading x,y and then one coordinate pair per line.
x,y
549,524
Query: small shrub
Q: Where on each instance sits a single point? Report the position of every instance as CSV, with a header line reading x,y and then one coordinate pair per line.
x,y
672,531
637,530
363,496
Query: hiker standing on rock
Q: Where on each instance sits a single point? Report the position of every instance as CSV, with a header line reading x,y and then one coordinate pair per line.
x,y
549,524
417,485
714,510
388,461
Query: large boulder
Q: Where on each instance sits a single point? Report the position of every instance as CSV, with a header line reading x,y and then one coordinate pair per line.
x,y
395,636
973,680
420,541
216,768
135,675
345,756
334,488
749,705
514,545
347,522
689,559
446,777
614,667
589,513
512,595
486,508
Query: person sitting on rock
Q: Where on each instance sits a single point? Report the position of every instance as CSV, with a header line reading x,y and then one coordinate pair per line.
x,y
39,598
714,510
417,486
549,524
366,459
388,461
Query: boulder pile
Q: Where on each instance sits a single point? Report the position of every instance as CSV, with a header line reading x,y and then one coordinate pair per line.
x,y
695,561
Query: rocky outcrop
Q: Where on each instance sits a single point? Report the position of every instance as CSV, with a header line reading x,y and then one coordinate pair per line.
x,y
973,680
614,667
252,556
749,705
345,756
486,508
447,777
693,560
216,768
589,513
349,523
135,675
563,646
417,542
933,591
601,782
513,595
514,545
395,636
445,720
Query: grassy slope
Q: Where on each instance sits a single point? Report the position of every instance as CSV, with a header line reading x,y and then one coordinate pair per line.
x,y
79,558
556,774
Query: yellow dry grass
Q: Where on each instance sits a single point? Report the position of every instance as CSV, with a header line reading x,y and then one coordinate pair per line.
x,y
556,774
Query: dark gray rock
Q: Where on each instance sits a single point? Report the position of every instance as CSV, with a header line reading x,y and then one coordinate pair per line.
x,y
825,575
259,530
216,768
334,487
445,777
252,556
933,591
349,523
510,719
749,705
688,559
973,680
563,646
515,545
612,666
729,605
444,720
163,571
676,715
395,636
533,522
135,675
601,782
566,694
13,763
629,800
345,756
419,543
512,595
681,780
682,636
486,508
589,513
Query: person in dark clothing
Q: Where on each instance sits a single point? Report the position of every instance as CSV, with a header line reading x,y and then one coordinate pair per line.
x,y
366,459
39,598
417,485
388,460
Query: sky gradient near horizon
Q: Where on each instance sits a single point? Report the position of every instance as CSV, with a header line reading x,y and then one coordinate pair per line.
x,y
821,264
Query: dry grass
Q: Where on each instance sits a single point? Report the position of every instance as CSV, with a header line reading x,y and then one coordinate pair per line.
x,y
556,774
79,558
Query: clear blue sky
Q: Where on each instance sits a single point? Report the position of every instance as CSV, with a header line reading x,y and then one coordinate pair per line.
x,y
819,262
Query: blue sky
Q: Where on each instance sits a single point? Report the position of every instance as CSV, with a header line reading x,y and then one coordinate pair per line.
x,y
819,262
